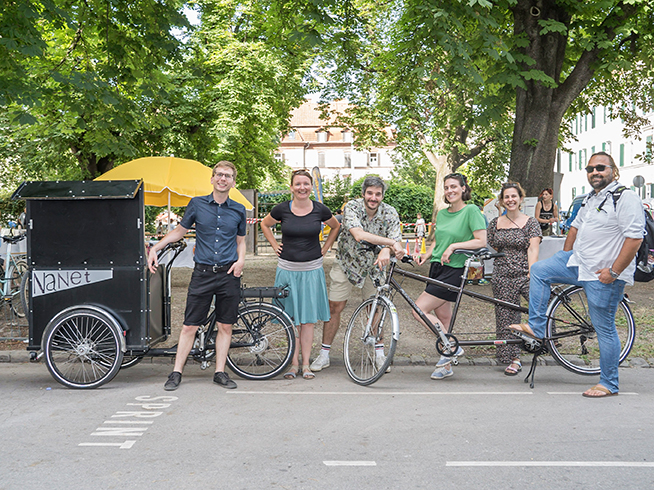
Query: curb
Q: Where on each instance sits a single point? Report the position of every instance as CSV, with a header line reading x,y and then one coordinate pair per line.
x,y
20,356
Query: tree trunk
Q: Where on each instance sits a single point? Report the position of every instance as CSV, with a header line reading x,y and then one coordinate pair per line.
x,y
541,106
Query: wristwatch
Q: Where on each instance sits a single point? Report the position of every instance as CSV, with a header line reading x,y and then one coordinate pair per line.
x,y
614,275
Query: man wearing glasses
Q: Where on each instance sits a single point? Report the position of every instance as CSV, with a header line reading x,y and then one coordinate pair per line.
x,y
598,255
219,259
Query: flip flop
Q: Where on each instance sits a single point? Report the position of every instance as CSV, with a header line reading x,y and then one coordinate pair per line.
x,y
605,392
523,328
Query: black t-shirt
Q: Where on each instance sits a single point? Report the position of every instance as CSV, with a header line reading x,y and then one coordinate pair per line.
x,y
301,234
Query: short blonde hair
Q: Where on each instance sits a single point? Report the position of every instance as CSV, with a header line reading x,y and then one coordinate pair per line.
x,y
224,164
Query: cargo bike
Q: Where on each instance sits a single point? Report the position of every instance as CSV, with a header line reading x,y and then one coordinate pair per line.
x,y
93,305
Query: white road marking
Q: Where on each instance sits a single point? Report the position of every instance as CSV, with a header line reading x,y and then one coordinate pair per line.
x,y
387,393
350,463
626,464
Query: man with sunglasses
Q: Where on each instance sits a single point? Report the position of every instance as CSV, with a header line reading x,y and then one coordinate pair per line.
x,y
598,255
219,258
374,221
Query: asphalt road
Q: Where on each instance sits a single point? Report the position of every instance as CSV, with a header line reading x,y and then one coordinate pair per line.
x,y
478,429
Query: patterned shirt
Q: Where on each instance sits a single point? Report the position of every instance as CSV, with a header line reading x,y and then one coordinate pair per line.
x,y
385,223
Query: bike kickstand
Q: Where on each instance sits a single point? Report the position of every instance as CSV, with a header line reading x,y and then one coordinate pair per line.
x,y
532,371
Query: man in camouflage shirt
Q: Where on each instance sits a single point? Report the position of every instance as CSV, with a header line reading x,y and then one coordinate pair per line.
x,y
369,219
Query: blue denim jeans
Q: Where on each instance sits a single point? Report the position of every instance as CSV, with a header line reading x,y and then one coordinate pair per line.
x,y
603,300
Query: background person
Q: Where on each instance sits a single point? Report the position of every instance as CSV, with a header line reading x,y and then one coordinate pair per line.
x,y
458,226
300,262
372,220
546,212
219,259
518,236
598,255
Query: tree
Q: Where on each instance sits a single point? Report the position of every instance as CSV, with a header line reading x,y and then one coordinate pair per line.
x,y
416,67
563,48
79,80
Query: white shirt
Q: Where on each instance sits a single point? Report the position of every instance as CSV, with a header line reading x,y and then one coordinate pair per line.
x,y
602,229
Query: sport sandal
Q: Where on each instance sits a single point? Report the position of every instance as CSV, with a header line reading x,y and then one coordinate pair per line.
x,y
510,370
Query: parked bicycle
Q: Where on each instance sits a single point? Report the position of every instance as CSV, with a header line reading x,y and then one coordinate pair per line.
x,y
570,337
12,271
80,346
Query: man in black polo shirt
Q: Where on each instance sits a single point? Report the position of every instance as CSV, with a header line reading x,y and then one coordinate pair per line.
x,y
219,259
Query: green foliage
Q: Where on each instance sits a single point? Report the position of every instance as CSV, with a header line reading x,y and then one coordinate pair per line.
x,y
10,210
336,191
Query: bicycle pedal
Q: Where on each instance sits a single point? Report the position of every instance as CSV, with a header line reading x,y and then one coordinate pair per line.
x,y
455,361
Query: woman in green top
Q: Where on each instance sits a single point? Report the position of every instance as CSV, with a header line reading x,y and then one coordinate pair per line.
x,y
458,226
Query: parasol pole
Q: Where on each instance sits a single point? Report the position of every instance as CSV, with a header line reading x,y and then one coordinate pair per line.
x,y
168,210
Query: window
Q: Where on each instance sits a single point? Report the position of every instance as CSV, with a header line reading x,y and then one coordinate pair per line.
x,y
604,114
585,122
280,157
592,150
574,192
321,136
292,135
581,158
321,159
373,160
570,162
648,149
348,137
347,160
592,120
583,189
622,155
651,190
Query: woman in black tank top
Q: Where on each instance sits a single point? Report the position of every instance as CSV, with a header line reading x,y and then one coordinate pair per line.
x,y
546,211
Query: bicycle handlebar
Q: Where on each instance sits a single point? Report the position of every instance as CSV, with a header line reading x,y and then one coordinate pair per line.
x,y
14,239
176,246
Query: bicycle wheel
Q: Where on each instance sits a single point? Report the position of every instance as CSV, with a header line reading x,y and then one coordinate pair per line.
x,y
17,272
359,344
263,342
579,352
82,347
25,292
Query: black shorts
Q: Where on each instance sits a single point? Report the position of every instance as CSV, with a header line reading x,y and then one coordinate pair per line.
x,y
205,284
446,274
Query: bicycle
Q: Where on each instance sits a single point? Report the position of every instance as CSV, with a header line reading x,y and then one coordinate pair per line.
x,y
569,337
12,272
82,350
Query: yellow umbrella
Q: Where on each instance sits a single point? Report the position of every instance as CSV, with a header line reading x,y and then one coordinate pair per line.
x,y
170,181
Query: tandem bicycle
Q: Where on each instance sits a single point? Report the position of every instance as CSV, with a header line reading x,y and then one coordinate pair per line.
x,y
569,337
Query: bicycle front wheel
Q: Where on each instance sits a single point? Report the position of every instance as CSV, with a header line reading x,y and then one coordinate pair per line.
x,y
371,324
263,342
575,344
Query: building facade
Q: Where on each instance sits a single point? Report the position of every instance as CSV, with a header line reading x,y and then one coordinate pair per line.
x,y
595,132
315,142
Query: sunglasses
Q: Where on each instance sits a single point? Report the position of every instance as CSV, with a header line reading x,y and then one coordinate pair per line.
x,y
456,175
599,168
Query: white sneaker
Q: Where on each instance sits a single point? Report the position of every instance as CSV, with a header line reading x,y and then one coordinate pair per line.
x,y
442,372
379,362
321,362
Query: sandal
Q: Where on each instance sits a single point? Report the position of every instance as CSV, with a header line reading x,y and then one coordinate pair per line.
x,y
292,373
522,328
510,370
306,373
604,392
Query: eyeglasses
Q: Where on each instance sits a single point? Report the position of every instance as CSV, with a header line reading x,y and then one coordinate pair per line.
x,y
221,175
599,168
